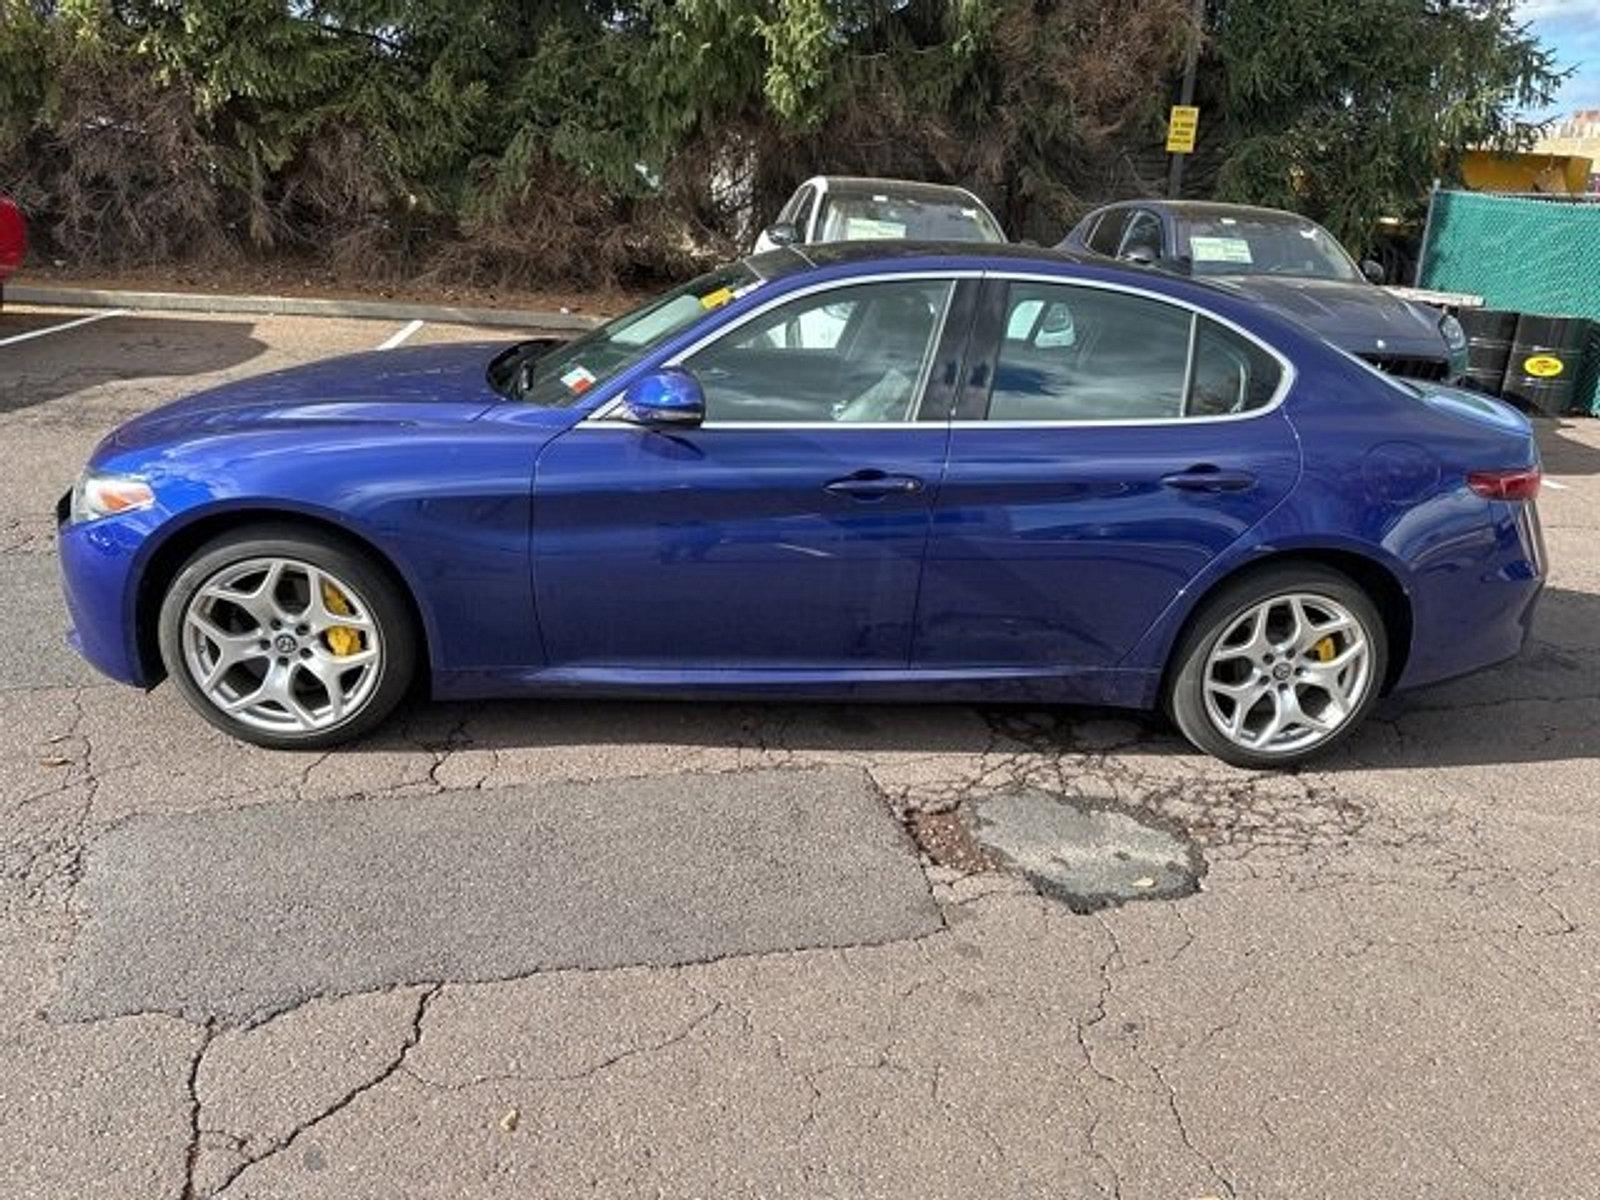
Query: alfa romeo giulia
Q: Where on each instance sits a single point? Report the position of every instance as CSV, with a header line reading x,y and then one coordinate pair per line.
x,y
863,471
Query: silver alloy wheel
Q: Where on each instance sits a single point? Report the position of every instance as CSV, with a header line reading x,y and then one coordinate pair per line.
x,y
1287,673
282,645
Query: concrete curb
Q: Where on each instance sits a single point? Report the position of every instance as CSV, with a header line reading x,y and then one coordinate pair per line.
x,y
299,306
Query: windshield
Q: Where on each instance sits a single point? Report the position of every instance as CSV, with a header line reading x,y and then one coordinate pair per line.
x,y
868,217
1263,244
556,378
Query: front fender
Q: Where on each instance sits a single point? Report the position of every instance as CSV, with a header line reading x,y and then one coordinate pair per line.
x,y
449,509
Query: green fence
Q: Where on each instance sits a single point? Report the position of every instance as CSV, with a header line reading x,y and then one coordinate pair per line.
x,y
1521,255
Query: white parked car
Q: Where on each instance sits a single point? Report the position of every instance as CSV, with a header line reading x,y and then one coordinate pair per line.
x,y
838,208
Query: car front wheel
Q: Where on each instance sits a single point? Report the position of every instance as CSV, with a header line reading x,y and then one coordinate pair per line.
x,y
1278,666
286,639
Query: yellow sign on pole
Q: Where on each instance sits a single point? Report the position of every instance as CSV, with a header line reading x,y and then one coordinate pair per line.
x,y
1182,125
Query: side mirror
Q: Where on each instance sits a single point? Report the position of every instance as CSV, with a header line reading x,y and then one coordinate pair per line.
x,y
1143,255
784,233
1373,270
668,398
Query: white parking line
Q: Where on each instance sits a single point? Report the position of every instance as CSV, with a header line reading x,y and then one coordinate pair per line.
x,y
1556,483
65,325
401,335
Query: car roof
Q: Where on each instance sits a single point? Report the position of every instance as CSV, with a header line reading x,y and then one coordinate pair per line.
x,y
863,185
1208,208
790,260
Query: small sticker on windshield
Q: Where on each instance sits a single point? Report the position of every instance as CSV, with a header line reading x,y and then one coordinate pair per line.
x,y
1219,249
578,380
717,298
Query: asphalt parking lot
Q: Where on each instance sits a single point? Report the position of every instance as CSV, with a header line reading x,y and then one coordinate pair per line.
x,y
700,950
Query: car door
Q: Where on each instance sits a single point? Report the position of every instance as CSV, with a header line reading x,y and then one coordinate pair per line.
x,y
1108,444
787,531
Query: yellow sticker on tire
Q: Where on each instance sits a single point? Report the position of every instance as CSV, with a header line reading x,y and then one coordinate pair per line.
x,y
1543,366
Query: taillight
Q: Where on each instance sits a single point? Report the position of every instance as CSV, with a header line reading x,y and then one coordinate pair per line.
x,y
1520,484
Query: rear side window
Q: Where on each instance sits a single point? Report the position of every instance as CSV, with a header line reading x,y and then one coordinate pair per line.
x,y
1107,235
1072,353
1231,373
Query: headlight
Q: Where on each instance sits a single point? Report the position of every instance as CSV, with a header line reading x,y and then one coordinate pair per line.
x,y
1454,336
97,495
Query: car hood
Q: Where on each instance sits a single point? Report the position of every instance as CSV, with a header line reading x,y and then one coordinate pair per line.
x,y
411,385
1353,316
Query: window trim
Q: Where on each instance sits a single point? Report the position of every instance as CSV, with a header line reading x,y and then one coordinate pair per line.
x,y
606,414
1286,380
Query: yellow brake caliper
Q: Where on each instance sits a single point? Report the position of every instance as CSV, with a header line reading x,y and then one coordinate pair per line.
x,y
342,640
1325,649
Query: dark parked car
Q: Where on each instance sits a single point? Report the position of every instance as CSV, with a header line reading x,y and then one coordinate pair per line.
x,y
1289,264
13,240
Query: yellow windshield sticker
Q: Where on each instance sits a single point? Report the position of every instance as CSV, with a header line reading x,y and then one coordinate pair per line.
x,y
1544,366
717,298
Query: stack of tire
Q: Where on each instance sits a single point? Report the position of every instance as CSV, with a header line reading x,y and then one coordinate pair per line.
x,y
1545,365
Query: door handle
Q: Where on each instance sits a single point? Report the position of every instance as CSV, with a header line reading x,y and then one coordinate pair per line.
x,y
873,485
1206,477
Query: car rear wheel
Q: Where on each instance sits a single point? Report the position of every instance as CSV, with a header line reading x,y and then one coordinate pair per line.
x,y
1278,666
287,639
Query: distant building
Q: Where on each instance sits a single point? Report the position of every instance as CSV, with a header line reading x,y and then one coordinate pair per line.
x,y
1578,135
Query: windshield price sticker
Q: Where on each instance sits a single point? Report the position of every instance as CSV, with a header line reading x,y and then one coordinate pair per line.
x,y
578,380
1543,366
717,298
865,229
1219,249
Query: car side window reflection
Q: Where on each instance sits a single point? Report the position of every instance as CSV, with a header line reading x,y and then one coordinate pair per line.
x,y
849,354
1090,354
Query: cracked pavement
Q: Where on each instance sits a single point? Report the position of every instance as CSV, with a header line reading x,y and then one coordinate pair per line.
x,y
1385,986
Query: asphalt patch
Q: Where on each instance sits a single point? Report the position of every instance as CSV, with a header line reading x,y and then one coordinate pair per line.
x,y
238,914
1087,855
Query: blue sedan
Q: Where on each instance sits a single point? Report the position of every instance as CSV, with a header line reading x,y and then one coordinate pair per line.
x,y
864,471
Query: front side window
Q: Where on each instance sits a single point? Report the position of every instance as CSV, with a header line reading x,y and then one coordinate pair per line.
x,y
845,355
1107,235
1144,234
1089,354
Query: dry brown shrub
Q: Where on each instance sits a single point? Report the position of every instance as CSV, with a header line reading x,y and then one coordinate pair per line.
x,y
123,176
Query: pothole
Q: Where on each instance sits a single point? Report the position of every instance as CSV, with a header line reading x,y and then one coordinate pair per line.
x,y
1084,853
946,840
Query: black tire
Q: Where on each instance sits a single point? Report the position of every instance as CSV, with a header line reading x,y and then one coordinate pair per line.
x,y
1185,699
397,664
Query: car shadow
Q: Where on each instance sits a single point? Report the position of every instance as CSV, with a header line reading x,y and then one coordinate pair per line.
x,y
120,348
1563,454
1542,706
